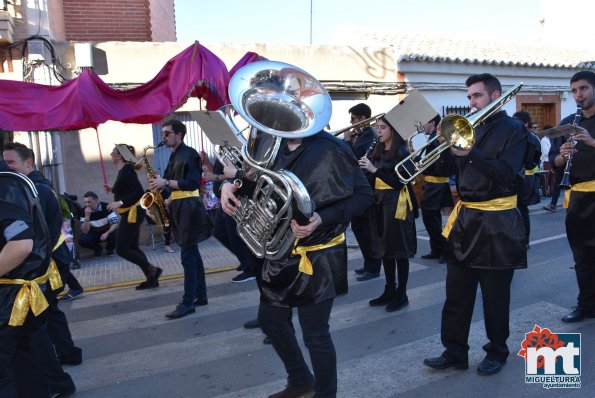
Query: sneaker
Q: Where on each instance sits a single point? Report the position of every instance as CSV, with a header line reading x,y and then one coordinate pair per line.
x,y
550,208
243,277
72,294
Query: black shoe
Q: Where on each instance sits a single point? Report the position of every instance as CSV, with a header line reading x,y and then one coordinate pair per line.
x,y
489,367
305,391
577,314
253,324
64,393
72,294
384,298
432,256
360,271
366,276
180,311
72,358
243,277
267,340
442,362
398,302
201,302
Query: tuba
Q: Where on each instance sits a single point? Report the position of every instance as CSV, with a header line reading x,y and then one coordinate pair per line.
x,y
153,201
458,132
278,101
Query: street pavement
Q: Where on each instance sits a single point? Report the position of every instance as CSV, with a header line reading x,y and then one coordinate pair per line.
x,y
131,350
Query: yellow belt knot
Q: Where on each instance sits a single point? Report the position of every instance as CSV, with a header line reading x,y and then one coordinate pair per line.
x,y
403,204
436,180
497,204
175,195
587,186
30,294
305,265
61,240
132,211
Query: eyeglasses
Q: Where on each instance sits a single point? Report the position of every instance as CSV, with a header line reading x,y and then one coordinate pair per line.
x,y
167,132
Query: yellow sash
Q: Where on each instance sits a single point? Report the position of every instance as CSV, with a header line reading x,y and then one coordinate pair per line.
x,y
381,185
587,186
305,265
61,240
529,172
175,195
403,204
131,210
436,180
497,204
30,294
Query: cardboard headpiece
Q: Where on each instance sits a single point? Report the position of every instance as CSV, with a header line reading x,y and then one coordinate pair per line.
x,y
410,112
126,154
218,128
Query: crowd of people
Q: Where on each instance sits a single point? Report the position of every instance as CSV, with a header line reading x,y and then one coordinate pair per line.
x,y
355,183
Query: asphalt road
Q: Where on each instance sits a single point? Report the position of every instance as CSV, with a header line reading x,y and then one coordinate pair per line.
x,y
131,350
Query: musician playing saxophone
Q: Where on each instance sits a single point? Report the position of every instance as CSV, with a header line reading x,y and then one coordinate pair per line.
x,y
188,215
127,191
314,272
580,198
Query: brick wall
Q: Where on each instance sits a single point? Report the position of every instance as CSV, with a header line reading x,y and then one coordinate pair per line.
x,y
163,20
101,20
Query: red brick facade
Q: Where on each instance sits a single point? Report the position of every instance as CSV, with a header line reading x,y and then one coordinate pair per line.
x,y
101,20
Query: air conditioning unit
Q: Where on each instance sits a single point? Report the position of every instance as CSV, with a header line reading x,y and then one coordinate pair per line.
x,y
38,52
83,55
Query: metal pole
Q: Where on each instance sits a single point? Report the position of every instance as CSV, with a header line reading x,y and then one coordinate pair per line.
x,y
311,21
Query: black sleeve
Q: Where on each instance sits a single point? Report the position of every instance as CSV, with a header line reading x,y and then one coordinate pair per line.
x,y
133,189
15,223
193,175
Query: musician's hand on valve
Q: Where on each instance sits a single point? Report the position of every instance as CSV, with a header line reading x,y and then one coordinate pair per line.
x,y
566,149
156,183
229,171
584,137
364,163
229,201
302,231
150,214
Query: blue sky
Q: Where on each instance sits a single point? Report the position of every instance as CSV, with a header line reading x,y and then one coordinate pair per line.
x,y
288,21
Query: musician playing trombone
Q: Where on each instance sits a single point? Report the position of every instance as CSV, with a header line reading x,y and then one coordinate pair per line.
x,y
485,234
580,198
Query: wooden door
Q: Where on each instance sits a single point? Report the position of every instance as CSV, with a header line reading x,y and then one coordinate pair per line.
x,y
541,114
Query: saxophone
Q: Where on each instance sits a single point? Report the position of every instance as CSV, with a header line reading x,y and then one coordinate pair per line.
x,y
153,201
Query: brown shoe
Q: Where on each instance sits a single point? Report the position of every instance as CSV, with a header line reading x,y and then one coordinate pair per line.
x,y
305,391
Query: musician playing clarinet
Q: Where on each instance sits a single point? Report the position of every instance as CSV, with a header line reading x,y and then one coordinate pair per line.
x,y
487,239
580,198
314,272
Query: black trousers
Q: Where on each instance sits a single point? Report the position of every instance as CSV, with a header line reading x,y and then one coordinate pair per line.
x,y
524,210
276,323
92,240
225,231
58,329
584,260
433,222
361,230
461,288
127,242
20,372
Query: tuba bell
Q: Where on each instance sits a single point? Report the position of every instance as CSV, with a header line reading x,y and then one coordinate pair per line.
x,y
458,132
278,101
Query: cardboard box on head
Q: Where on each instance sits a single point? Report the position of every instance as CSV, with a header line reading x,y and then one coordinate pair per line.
x,y
218,128
410,112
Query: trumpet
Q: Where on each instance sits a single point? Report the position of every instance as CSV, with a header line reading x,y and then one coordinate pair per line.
x,y
359,127
458,133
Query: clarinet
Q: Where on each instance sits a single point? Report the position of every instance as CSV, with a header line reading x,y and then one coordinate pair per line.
x,y
565,183
371,148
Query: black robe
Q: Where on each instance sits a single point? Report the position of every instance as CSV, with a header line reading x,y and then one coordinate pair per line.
x,y
580,216
190,222
490,239
336,184
436,196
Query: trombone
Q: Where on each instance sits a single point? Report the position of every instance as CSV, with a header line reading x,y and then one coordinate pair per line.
x,y
458,133
359,127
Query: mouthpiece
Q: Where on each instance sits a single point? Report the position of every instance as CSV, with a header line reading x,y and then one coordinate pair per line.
x,y
160,144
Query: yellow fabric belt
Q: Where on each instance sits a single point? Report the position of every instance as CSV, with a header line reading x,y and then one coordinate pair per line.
x,y
507,203
30,294
529,172
131,210
61,240
587,186
305,265
175,195
436,180
403,204
379,184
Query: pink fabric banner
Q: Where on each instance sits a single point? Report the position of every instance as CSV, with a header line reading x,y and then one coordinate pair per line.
x,y
88,101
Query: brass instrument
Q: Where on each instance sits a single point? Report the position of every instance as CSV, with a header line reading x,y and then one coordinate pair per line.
x,y
153,201
278,100
565,183
458,133
359,127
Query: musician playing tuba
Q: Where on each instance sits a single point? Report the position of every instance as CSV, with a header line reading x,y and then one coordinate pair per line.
x,y
314,271
181,180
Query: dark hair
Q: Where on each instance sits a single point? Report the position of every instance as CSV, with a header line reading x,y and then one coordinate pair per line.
x,y
176,125
395,147
523,117
584,75
21,150
91,194
489,81
436,120
361,110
